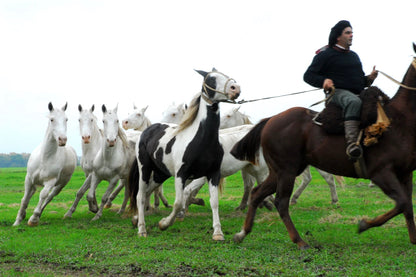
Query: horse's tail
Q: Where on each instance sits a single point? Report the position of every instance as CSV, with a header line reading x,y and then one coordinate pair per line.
x,y
133,185
247,148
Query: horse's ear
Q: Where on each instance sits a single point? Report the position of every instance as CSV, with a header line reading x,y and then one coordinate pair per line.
x,y
116,108
236,109
144,109
414,47
92,108
79,108
214,69
104,109
203,73
134,107
50,106
64,107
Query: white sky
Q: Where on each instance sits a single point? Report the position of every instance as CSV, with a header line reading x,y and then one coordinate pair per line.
x,y
144,52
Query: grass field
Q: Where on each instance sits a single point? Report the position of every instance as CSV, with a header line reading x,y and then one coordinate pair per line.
x,y
111,247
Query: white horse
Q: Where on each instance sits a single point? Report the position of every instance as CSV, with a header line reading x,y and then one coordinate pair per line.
x,y
174,113
112,162
51,165
134,124
188,151
234,118
137,120
91,143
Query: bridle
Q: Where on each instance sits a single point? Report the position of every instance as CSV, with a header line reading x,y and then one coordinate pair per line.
x,y
204,93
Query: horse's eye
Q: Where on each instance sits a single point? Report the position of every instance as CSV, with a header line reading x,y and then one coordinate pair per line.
x,y
139,115
66,120
79,120
51,119
92,120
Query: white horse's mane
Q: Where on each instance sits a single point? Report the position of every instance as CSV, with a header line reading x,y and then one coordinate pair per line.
x,y
190,113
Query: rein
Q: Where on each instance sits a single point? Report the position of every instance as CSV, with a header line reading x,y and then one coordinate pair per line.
x,y
397,82
277,96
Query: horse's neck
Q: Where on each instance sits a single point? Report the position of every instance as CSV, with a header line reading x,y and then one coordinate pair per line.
x,y
146,123
404,102
208,116
49,145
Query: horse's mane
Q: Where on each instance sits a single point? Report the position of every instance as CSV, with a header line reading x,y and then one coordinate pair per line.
x,y
247,119
123,138
190,113
146,123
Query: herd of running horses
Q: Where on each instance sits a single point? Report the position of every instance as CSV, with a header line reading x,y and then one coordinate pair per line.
x,y
190,146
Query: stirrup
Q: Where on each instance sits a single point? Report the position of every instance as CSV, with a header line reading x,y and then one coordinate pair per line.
x,y
354,151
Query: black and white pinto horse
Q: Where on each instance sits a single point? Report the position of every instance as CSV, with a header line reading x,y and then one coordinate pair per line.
x,y
187,151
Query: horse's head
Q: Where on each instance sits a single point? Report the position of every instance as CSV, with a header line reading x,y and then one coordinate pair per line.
x,y
135,119
232,118
218,87
174,113
87,123
58,123
110,125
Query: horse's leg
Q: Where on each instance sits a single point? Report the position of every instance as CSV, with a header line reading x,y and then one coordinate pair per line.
x,y
285,183
30,189
126,197
408,209
113,195
257,196
340,180
163,198
55,191
78,196
189,193
306,179
392,187
249,182
48,185
216,224
164,223
156,194
92,200
111,184
329,178
141,200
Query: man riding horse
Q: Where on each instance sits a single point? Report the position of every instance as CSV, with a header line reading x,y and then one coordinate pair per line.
x,y
336,67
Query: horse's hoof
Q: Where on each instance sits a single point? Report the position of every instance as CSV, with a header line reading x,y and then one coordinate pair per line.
x,y
107,206
239,237
163,226
304,247
95,218
241,208
362,226
32,224
219,237
142,235
134,221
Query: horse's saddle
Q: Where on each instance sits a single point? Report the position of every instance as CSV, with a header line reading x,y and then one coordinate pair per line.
x,y
374,120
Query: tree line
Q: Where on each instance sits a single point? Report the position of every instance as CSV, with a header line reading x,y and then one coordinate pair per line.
x,y
15,160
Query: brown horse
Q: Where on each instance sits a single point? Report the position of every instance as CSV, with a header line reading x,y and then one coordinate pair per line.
x,y
291,141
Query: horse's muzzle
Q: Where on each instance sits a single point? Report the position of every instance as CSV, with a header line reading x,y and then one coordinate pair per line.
x,y
62,141
234,92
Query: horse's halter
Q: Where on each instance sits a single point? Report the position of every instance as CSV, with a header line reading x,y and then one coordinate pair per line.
x,y
204,93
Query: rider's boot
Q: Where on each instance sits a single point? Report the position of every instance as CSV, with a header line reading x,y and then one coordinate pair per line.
x,y
352,129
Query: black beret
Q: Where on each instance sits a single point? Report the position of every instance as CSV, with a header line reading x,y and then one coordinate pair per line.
x,y
336,31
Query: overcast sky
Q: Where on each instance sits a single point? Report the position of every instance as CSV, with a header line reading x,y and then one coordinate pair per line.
x,y
145,52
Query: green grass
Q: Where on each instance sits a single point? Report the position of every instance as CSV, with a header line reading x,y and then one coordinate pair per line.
x,y
111,247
